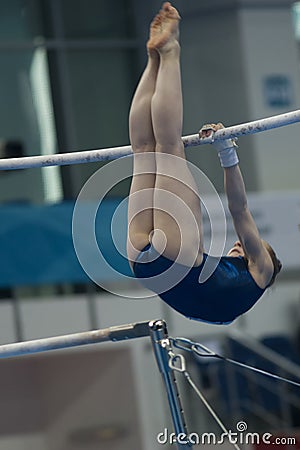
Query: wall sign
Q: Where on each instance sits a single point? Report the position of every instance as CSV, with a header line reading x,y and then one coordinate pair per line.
x,y
278,91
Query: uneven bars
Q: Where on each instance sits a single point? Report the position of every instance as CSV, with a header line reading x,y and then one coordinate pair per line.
x,y
107,154
115,333
155,329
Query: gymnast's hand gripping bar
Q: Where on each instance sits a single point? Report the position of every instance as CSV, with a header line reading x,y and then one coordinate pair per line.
x,y
106,154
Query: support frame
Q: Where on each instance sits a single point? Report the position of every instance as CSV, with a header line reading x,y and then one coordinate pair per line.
x,y
155,329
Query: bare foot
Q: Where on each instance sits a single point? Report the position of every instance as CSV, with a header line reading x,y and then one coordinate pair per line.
x,y
164,28
155,31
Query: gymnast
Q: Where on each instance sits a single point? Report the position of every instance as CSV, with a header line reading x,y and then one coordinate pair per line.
x,y
157,240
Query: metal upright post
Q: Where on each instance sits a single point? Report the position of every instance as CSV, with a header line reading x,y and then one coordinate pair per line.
x,y
161,346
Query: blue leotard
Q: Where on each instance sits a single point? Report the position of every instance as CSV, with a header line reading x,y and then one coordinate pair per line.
x,y
229,292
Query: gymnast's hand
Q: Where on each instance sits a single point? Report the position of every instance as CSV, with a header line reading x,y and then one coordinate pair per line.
x,y
210,128
226,148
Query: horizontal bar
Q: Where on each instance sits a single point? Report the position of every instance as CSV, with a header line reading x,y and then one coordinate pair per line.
x,y
116,333
107,154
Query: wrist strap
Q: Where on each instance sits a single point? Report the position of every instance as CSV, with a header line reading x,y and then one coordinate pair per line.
x,y
228,157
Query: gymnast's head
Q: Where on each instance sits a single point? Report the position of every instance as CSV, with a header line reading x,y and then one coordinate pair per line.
x,y
237,250
276,262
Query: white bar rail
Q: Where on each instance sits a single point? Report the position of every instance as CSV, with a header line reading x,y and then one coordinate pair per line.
x,y
116,333
107,154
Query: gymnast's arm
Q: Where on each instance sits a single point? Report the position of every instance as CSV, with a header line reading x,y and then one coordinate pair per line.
x,y
259,261
243,221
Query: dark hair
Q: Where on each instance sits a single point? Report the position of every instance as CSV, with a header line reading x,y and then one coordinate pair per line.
x,y
276,263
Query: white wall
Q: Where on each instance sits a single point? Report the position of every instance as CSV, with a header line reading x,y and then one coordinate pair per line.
x,y
277,312
214,85
269,48
226,55
34,441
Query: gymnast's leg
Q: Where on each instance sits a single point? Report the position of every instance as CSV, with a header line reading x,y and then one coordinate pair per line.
x,y
172,173
140,208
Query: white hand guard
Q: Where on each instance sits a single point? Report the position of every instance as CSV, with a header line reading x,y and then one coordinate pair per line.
x,y
226,148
